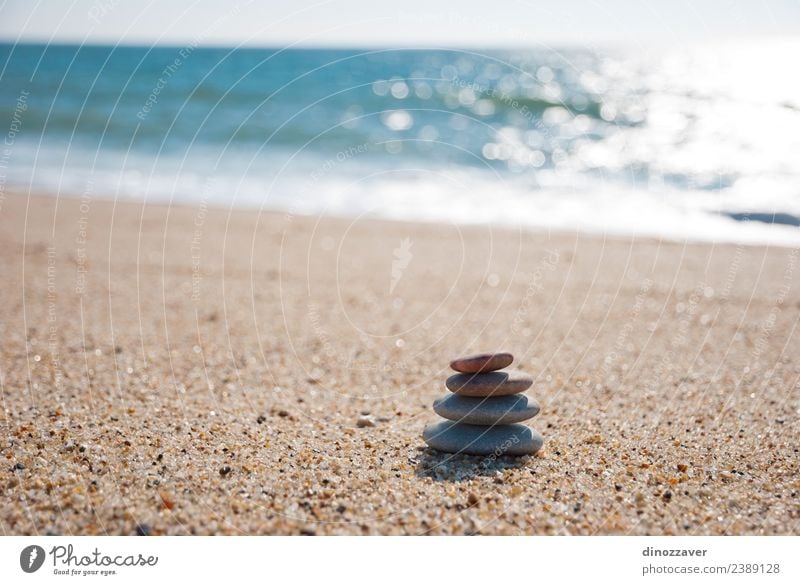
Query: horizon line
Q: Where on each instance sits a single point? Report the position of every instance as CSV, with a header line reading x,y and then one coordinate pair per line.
x,y
606,44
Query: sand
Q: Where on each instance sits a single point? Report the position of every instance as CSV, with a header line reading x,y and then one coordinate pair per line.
x,y
186,370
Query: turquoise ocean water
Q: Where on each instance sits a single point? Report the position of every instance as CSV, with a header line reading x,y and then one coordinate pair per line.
x,y
690,143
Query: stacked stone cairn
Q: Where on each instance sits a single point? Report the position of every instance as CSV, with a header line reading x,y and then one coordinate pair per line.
x,y
484,409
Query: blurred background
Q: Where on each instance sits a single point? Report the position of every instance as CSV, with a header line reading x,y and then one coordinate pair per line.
x,y
677,120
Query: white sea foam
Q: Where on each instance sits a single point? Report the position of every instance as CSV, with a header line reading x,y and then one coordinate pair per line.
x,y
451,195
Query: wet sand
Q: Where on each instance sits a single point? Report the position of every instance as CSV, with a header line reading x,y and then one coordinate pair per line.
x,y
182,370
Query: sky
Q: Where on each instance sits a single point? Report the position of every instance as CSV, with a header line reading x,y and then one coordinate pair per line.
x,y
368,23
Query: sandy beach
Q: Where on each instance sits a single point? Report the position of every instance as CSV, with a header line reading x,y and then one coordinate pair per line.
x,y
186,370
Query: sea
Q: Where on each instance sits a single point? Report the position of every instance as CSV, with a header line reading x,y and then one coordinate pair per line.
x,y
691,143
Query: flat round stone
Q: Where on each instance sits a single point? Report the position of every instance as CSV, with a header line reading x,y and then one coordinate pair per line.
x,y
495,410
482,362
489,384
453,437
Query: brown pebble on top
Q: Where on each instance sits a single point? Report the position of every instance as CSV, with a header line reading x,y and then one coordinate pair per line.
x,y
482,362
